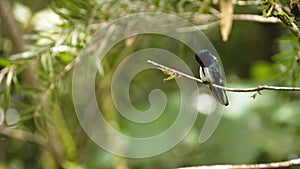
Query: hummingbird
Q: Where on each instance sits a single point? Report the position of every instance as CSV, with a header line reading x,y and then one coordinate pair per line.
x,y
211,72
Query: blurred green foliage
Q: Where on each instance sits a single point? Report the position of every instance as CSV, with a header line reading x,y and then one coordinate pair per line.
x,y
264,129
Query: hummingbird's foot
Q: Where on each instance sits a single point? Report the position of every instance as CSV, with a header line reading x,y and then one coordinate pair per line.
x,y
205,80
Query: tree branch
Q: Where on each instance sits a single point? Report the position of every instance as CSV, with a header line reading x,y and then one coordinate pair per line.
x,y
214,21
282,164
175,73
246,3
11,27
255,18
22,135
286,20
239,17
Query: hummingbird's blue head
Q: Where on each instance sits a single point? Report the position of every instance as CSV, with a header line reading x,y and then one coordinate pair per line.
x,y
205,58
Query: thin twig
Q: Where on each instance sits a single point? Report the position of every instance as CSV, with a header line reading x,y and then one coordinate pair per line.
x,y
203,6
282,164
174,71
22,135
199,27
246,3
215,21
253,89
255,18
290,23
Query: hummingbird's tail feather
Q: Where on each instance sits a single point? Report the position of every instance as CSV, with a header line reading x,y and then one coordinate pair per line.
x,y
220,95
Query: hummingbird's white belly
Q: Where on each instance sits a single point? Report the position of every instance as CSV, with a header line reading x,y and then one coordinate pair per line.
x,y
205,75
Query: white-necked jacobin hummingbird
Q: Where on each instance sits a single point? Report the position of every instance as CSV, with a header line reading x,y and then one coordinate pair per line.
x,y
211,70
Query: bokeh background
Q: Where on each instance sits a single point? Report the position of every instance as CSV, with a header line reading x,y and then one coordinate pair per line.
x,y
39,43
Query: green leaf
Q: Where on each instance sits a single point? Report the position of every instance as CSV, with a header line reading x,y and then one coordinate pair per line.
x,y
71,165
50,65
24,55
288,54
4,62
6,96
65,57
32,89
26,117
36,121
64,132
292,39
44,63
16,84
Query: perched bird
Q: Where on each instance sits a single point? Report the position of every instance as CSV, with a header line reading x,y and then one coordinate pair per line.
x,y
212,72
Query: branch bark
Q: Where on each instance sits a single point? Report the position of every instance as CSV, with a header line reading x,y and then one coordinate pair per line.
x,y
22,135
287,21
11,27
282,164
214,21
175,73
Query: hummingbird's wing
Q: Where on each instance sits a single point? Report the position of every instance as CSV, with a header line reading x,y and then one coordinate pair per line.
x,y
211,70
217,77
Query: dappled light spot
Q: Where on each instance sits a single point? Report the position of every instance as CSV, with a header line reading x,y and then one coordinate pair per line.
x,y
205,103
12,116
